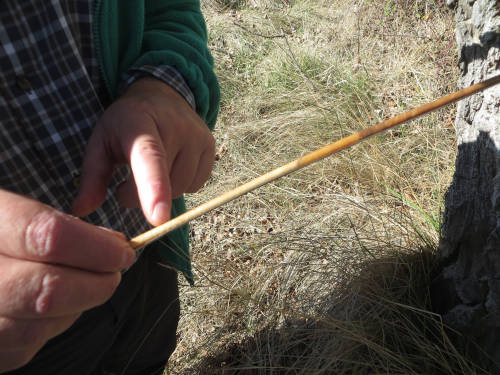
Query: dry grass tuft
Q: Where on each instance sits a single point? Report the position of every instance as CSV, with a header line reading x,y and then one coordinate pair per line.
x,y
324,271
377,322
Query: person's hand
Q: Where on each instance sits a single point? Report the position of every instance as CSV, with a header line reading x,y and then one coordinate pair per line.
x,y
52,268
168,147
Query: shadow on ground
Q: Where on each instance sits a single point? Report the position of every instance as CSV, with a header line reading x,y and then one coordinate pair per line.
x,y
378,323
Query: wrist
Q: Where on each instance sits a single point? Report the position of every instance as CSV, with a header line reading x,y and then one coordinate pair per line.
x,y
151,86
164,73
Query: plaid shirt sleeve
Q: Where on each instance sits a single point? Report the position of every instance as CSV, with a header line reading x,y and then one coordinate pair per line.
x,y
164,73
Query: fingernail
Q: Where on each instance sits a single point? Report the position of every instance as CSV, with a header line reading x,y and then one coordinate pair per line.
x,y
161,213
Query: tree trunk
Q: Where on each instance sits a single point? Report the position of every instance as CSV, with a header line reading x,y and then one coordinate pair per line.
x,y
467,289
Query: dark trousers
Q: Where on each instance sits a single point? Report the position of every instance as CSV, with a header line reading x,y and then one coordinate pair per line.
x,y
133,333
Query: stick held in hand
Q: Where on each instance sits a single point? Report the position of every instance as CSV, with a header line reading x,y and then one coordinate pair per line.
x,y
153,234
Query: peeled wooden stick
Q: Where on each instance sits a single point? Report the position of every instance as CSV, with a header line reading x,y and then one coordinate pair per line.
x,y
153,234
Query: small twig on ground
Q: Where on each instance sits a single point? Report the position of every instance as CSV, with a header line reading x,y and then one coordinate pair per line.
x,y
289,50
442,61
282,35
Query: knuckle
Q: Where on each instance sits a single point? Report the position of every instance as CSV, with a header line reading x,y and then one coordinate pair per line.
x,y
151,148
42,233
156,187
44,299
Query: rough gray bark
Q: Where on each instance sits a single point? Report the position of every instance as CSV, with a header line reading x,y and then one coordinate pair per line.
x,y
467,291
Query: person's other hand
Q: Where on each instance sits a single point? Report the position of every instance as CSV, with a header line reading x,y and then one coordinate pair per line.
x,y
154,130
52,268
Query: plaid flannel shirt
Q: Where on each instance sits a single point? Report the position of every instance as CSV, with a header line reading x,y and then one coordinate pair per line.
x,y
51,96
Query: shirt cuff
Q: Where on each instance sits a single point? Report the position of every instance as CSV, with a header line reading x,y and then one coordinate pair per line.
x,y
165,73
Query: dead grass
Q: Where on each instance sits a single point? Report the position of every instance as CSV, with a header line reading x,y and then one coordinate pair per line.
x,y
324,271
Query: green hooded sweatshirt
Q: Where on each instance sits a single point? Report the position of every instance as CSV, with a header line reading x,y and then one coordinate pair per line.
x,y
134,33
